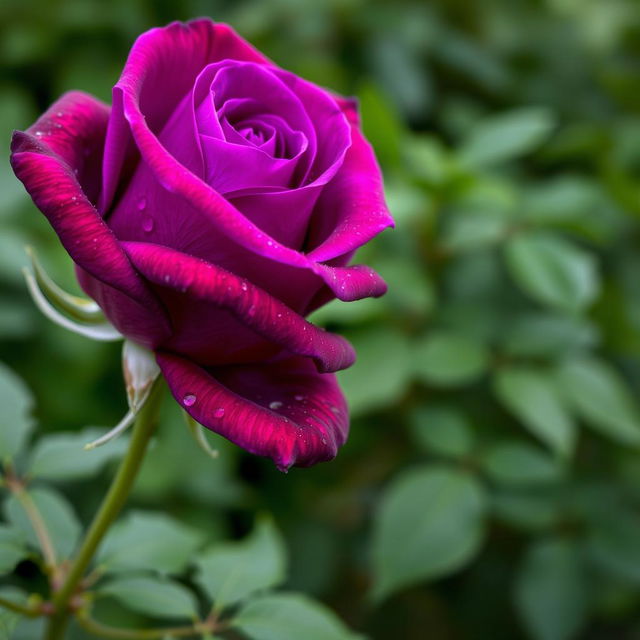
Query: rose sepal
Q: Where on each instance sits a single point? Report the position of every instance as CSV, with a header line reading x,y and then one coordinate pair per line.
x,y
197,432
140,371
102,331
79,308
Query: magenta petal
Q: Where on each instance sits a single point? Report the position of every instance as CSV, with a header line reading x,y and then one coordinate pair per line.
x,y
45,159
177,51
184,184
250,305
161,69
283,410
351,209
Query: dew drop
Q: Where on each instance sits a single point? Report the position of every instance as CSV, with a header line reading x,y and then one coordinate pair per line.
x,y
147,224
189,400
218,413
142,204
243,285
276,404
299,397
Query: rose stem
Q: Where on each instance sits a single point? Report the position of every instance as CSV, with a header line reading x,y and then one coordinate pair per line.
x,y
114,500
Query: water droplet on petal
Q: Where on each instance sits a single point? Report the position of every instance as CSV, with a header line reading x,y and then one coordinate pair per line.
x,y
189,400
218,413
142,204
147,225
299,397
276,404
244,286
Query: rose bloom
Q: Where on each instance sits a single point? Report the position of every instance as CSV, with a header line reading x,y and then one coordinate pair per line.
x,y
212,207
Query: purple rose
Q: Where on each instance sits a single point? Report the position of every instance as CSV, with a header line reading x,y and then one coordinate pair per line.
x,y
208,211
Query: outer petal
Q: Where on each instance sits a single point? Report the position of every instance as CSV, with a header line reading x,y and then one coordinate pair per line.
x,y
285,410
49,158
161,69
351,209
250,305
166,52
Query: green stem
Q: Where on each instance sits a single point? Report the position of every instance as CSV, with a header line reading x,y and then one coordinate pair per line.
x,y
99,629
16,486
39,527
18,608
109,509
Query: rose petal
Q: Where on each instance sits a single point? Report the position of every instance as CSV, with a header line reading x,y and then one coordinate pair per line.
x,y
250,305
156,56
177,52
284,410
46,158
351,209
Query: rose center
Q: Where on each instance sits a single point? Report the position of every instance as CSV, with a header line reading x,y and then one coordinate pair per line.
x,y
254,131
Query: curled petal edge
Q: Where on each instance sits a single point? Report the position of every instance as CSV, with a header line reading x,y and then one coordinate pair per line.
x,y
305,427
252,306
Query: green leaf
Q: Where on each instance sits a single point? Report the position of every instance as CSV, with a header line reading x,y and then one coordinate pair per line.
x,y
447,359
410,292
442,430
566,198
12,548
430,523
468,230
601,397
146,540
520,464
506,136
380,124
381,373
59,519
232,571
613,545
155,597
16,421
290,616
552,270
532,397
61,456
9,619
551,590
526,510
548,335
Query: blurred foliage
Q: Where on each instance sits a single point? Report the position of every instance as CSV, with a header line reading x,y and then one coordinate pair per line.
x,y
490,486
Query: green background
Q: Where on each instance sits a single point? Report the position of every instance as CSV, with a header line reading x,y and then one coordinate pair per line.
x,y
490,488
